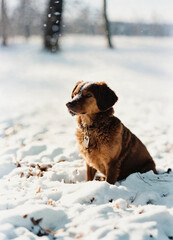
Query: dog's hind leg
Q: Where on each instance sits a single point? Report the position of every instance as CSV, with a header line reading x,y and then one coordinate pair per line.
x,y
90,174
150,165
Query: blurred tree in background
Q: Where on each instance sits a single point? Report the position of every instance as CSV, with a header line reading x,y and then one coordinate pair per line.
x,y
24,15
52,25
43,18
106,23
4,22
82,18
26,19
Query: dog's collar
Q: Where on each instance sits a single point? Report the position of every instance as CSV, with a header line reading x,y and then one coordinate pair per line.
x,y
86,128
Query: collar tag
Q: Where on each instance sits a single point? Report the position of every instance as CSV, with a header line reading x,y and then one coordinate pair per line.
x,y
86,141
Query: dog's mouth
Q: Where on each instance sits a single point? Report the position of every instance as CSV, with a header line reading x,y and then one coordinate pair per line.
x,y
70,108
72,112
75,113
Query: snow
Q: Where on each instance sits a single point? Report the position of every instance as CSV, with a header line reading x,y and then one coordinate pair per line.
x,y
43,193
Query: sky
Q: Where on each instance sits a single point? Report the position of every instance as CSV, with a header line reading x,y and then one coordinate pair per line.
x,y
129,10
138,10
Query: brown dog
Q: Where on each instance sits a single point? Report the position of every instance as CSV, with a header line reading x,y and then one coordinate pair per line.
x,y
104,142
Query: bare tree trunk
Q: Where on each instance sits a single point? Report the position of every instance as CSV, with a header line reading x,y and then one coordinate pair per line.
x,y
4,22
53,25
25,24
107,25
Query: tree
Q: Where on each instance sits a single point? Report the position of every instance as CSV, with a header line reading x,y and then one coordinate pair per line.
x,y
107,25
52,25
26,18
4,22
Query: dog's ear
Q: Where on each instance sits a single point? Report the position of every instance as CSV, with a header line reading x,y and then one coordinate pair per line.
x,y
77,84
106,98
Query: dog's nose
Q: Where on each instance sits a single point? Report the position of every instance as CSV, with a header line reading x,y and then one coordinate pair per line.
x,y
69,104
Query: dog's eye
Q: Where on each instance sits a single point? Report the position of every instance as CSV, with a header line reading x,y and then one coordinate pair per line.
x,y
88,95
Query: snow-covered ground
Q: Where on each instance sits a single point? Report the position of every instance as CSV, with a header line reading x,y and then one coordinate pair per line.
x,y
43,193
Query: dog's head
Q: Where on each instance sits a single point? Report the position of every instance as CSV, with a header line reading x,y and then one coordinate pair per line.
x,y
91,98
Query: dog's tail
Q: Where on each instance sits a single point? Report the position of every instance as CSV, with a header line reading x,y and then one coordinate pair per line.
x,y
169,170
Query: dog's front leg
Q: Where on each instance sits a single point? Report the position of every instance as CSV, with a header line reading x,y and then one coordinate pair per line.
x,y
112,172
90,173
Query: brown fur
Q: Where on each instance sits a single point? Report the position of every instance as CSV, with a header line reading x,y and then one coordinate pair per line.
x,y
113,149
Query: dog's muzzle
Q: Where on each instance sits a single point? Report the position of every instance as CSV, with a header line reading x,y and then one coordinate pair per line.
x,y
70,106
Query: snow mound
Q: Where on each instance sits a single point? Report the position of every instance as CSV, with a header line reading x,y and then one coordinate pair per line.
x,y
43,193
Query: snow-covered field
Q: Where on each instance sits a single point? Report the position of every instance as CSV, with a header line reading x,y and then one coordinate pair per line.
x,y
43,193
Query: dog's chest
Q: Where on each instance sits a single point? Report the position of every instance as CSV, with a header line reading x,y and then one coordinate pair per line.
x,y
89,141
94,147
